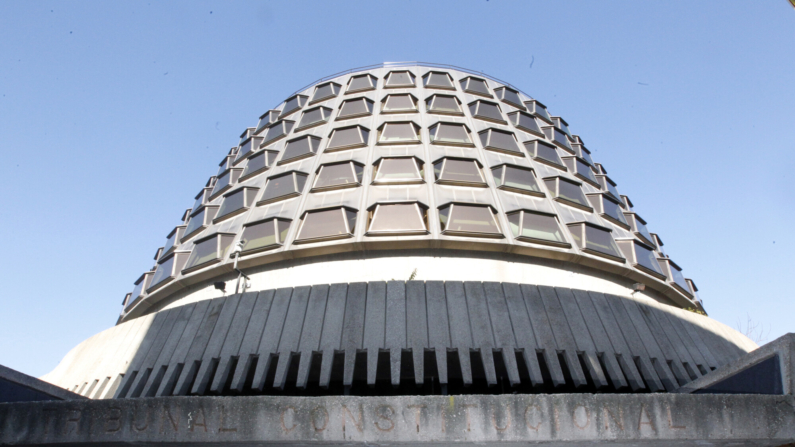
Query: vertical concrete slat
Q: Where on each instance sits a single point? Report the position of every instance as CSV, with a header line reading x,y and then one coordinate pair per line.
x,y
331,337
197,348
670,354
395,337
523,331
675,340
233,340
143,349
438,326
173,370
374,326
480,325
160,365
460,333
214,344
146,367
417,327
291,333
563,336
701,362
310,335
543,332
582,336
353,328
251,339
271,334
503,331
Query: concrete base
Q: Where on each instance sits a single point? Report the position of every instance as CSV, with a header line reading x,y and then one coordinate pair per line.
x,y
564,419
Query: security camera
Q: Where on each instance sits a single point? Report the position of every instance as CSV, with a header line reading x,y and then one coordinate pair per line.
x,y
220,286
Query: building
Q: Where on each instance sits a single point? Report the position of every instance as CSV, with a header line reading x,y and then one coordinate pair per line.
x,y
411,253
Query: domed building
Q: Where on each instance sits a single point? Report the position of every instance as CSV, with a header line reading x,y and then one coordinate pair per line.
x,y
408,231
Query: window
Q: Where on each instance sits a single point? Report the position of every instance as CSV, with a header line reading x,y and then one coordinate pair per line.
x,y
538,110
314,117
561,124
277,131
225,182
171,240
338,175
397,218
452,134
459,219
487,111
558,137
458,171
292,104
347,138
583,153
509,96
544,153
399,104
525,122
300,148
225,164
202,198
516,179
595,239
327,224
398,170
325,91
207,251
353,108
568,192
443,105
475,86
438,79
199,220
638,227
539,228
167,270
658,243
501,141
642,257
264,235
283,186
361,83
399,133
675,277
581,170
258,164
236,202
268,118
245,150
608,185
397,79
141,285
609,209
246,135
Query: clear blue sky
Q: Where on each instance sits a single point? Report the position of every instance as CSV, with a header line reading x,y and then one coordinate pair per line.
x,y
114,114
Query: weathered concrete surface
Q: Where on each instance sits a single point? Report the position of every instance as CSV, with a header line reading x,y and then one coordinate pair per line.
x,y
563,419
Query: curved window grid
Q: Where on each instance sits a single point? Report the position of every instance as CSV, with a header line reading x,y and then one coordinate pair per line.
x,y
199,221
642,257
581,171
404,103
500,141
509,96
516,179
540,228
338,175
609,209
608,185
300,148
476,86
595,240
469,220
399,133
361,83
453,134
443,105
293,104
236,202
259,163
283,186
526,122
544,153
264,235
397,218
558,137
397,79
277,131
567,192
225,182
268,118
314,117
208,251
353,108
582,153
398,170
327,224
438,79
347,138
457,171
325,91
538,110
487,111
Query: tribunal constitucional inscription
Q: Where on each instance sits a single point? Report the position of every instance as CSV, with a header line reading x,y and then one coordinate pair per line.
x,y
469,418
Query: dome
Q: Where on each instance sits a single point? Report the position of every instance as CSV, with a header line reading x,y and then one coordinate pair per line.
x,y
406,228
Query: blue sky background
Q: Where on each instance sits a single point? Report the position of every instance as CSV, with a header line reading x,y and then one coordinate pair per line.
x,y
114,114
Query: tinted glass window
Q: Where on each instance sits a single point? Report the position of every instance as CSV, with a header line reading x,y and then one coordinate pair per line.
x,y
397,169
536,226
301,147
244,150
613,210
232,203
172,239
361,82
277,131
472,219
450,133
138,290
262,235
338,174
540,111
292,105
283,185
601,241
398,132
475,85
259,162
485,110
397,217
561,125
351,136
571,192
355,107
163,271
399,78
203,252
394,103
513,177
458,171
226,164
556,135
196,222
314,116
679,279
200,199
319,224
643,230
437,79
546,152
582,153
443,104
222,182
647,258
509,96
611,188
325,91
585,171
525,122
266,120
496,139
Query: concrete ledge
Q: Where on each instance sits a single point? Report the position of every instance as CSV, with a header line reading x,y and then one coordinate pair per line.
x,y
18,387
564,419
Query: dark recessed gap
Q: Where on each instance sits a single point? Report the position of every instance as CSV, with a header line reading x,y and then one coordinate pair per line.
x,y
156,381
591,386
249,381
128,384
191,377
213,370
226,389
